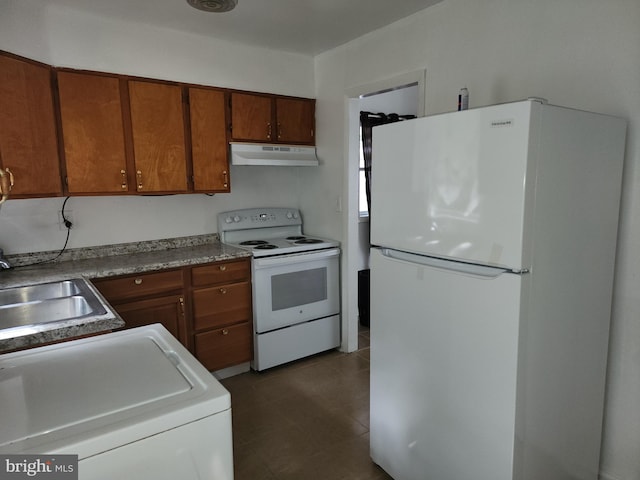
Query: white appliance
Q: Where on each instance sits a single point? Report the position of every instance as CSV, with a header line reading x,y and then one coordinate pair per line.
x,y
491,282
295,280
273,155
131,404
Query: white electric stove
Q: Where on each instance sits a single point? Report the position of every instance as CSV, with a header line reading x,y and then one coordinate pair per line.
x,y
296,283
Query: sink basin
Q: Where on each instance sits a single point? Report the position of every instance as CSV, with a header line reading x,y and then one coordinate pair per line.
x,y
43,291
48,302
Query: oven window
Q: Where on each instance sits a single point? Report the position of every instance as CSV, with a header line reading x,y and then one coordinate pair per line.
x,y
298,288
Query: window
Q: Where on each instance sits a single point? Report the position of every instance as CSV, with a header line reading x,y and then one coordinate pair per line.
x,y
363,207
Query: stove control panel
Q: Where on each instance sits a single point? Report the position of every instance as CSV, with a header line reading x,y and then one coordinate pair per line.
x,y
258,218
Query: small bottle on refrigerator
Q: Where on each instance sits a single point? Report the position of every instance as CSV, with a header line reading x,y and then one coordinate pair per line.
x,y
463,99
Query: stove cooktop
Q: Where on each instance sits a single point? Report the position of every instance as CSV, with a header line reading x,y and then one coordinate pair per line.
x,y
268,231
285,245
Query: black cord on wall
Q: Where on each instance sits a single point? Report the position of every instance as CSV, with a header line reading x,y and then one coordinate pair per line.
x,y
68,224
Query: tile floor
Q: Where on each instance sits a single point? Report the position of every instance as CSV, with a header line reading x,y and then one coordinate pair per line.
x,y
306,420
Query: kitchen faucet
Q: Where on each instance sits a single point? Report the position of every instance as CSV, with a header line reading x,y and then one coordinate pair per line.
x,y
4,263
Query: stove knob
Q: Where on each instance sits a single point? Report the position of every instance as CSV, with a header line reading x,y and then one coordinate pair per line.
x,y
295,214
289,215
228,220
236,219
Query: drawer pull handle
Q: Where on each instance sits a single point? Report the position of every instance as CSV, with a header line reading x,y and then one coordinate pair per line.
x,y
223,291
138,281
225,332
223,268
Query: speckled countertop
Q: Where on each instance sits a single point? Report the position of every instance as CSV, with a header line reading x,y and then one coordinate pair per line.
x,y
100,262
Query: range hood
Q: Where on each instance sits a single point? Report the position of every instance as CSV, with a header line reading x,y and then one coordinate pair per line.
x,y
275,155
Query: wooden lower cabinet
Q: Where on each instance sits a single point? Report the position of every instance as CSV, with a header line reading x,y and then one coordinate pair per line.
x,y
169,311
221,305
147,298
222,314
206,307
224,347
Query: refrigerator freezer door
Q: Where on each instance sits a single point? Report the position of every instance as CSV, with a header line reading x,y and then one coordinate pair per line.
x,y
444,349
454,185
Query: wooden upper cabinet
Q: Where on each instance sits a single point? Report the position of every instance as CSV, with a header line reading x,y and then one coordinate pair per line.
x,y
272,119
251,117
93,133
209,150
28,139
295,120
157,127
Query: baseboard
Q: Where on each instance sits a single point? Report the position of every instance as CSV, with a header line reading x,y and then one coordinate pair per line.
x,y
231,371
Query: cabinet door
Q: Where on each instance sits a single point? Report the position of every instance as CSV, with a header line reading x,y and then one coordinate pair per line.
x,y
28,142
221,305
295,120
169,311
93,133
157,123
209,151
224,347
251,117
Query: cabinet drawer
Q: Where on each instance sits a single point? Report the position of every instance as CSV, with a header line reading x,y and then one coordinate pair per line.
x,y
224,347
227,272
221,305
137,286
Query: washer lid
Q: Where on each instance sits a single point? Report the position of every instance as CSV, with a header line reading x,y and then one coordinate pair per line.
x,y
93,394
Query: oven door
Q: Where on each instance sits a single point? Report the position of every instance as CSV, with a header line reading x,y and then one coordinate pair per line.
x,y
291,289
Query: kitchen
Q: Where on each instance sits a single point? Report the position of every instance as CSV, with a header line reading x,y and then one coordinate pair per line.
x,y
578,54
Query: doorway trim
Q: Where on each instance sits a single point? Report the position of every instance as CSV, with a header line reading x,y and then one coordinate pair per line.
x,y
350,191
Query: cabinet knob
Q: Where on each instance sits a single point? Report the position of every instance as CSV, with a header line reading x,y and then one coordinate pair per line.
x,y
223,291
223,268
225,331
138,281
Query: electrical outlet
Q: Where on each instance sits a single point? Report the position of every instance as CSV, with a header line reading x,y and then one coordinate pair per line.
x,y
68,215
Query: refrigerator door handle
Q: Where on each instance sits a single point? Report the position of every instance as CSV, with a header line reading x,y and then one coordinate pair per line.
x,y
451,265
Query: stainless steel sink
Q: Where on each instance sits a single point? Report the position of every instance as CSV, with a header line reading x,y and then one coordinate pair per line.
x,y
48,302
42,291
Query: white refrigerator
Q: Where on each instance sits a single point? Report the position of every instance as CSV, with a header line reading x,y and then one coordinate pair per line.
x,y
494,234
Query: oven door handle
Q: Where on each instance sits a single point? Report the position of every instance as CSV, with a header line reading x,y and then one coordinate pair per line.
x,y
296,258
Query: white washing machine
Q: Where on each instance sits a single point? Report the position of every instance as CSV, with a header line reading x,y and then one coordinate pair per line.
x,y
133,404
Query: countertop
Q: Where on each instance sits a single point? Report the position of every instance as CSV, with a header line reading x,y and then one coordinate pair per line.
x,y
100,262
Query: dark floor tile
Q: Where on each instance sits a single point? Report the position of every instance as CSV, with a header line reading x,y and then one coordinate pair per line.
x,y
305,420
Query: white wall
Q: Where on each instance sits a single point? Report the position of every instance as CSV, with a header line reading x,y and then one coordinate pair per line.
x,y
577,53
67,38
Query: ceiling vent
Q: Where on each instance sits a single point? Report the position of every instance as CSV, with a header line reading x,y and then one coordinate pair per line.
x,y
213,5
